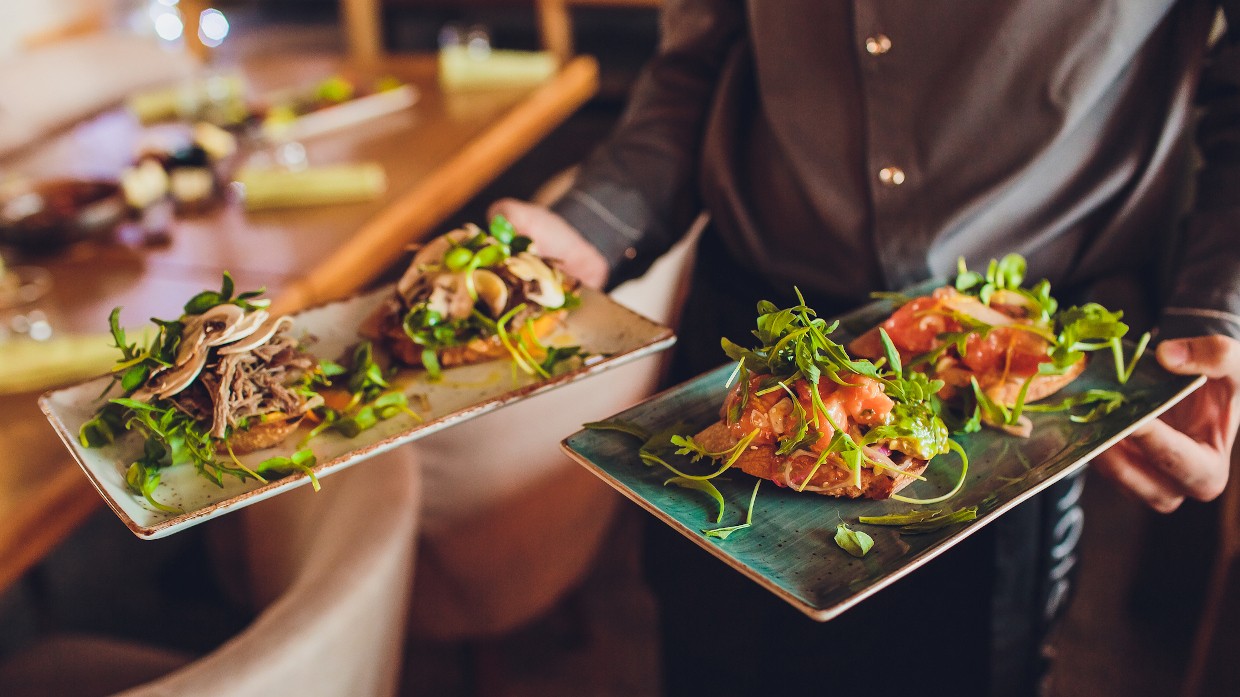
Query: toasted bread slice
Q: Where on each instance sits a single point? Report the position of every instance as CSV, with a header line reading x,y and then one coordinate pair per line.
x,y
384,325
1005,392
831,479
263,435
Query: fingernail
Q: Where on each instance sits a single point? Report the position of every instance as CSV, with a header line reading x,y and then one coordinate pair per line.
x,y
1173,353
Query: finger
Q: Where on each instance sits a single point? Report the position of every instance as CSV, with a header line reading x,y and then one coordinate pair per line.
x,y
1195,469
1213,356
517,212
1120,466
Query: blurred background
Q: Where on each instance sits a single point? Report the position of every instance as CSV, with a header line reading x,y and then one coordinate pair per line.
x,y
69,70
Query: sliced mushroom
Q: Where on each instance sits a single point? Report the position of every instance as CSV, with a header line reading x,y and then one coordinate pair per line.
x,y
243,327
191,343
491,290
450,297
219,321
430,257
249,324
170,381
1012,301
549,288
259,337
972,307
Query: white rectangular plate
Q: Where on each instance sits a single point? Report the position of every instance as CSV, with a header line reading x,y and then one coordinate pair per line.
x,y
599,325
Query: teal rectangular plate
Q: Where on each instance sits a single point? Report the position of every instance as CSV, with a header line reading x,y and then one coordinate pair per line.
x,y
790,549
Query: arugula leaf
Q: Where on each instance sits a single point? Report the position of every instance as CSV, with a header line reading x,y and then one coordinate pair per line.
x,y
899,518
144,481
726,532
1103,402
619,426
372,398
918,522
704,486
939,522
855,542
300,461
102,429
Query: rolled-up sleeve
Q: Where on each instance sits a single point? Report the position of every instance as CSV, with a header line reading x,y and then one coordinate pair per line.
x,y
635,195
1205,289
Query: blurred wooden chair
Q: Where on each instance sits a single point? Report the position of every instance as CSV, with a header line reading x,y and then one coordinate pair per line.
x,y
1213,668
555,24
363,22
332,571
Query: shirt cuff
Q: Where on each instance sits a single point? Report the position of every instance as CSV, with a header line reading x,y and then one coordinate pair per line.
x,y
1181,322
615,222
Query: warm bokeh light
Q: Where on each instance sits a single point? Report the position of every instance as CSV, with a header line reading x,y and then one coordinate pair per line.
x,y
212,27
168,26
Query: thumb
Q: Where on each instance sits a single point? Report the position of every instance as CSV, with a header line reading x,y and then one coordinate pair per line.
x,y
1212,356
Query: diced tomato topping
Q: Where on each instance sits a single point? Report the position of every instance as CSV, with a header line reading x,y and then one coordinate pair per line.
x,y
1005,351
755,414
861,402
915,327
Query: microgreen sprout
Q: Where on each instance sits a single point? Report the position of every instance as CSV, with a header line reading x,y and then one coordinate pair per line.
x,y
372,398
726,532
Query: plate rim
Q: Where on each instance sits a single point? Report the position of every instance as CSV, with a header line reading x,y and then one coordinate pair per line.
x,y
824,614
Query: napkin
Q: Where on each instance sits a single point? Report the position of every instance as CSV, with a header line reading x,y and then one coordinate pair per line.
x,y
280,188
193,99
29,366
463,68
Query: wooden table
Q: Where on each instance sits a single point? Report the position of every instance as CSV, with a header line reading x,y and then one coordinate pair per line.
x,y
437,156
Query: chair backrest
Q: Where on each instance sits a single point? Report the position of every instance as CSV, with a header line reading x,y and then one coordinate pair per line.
x,y
555,23
337,565
363,24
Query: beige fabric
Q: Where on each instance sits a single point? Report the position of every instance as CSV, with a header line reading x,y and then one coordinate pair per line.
x,y
511,524
50,87
338,564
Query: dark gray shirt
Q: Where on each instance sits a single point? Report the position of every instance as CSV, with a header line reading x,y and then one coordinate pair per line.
x,y
854,146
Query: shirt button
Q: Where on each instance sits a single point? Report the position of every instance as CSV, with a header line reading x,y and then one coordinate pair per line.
x,y
878,44
891,176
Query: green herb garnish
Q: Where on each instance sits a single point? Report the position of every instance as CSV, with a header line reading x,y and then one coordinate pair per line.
x,y
855,542
433,332
917,522
372,398
171,436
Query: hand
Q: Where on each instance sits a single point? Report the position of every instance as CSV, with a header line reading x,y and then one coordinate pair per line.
x,y
1187,453
556,239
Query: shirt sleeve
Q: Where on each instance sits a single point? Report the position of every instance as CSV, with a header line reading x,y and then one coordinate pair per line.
x,y
636,194
1205,288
